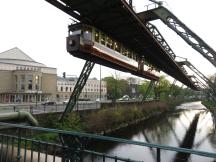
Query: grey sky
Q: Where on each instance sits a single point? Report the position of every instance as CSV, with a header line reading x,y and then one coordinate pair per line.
x,y
39,29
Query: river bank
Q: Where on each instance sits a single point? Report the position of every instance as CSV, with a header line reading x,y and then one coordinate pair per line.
x,y
189,126
110,119
211,105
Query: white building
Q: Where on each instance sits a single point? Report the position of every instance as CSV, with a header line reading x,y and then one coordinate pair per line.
x,y
91,91
25,80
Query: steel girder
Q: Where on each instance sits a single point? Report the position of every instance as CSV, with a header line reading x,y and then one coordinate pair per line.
x,y
196,71
202,76
157,35
151,85
182,30
78,88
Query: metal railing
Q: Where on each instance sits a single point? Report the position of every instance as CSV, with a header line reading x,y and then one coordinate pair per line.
x,y
23,144
40,109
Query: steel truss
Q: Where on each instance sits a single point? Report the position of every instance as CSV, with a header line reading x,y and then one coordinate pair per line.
x,y
202,76
183,31
157,35
196,71
151,85
78,88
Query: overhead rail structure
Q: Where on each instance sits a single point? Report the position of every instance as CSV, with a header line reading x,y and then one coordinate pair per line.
x,y
150,88
117,19
181,29
197,72
158,36
209,85
78,88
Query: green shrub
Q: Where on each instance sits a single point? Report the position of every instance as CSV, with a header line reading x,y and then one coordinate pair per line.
x,y
72,122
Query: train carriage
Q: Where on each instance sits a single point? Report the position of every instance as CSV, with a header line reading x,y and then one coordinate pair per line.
x,y
87,42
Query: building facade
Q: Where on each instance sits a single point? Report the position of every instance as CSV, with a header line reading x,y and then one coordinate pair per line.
x,y
91,90
24,80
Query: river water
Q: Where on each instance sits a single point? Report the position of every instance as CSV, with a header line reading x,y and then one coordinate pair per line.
x,y
190,126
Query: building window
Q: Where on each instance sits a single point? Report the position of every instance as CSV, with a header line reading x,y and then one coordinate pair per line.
x,y
16,83
37,82
70,89
66,89
61,89
29,81
22,84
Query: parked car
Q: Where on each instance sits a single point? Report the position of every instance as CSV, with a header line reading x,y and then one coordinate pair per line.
x,y
124,98
46,103
66,101
100,100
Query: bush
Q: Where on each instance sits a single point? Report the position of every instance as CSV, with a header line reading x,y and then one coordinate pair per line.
x,y
211,105
112,118
71,123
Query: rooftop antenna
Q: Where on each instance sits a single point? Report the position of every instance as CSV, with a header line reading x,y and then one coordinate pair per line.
x,y
159,3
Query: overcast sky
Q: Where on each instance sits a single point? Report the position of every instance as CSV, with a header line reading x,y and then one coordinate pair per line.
x,y
39,29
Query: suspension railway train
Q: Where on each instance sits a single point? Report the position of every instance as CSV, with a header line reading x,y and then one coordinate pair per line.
x,y
87,42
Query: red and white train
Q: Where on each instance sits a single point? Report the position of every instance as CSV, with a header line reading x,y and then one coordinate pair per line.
x,y
87,42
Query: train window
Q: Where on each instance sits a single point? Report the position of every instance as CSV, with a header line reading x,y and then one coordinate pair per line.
x,y
96,36
102,39
124,51
112,44
129,54
108,42
134,56
117,46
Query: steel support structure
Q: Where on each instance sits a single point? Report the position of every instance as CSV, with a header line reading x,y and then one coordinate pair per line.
x,y
202,76
182,30
78,88
158,36
151,85
196,71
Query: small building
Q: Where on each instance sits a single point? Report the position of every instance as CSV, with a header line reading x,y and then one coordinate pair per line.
x,y
133,84
91,90
22,79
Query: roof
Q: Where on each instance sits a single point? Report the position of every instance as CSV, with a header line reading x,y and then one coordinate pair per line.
x,y
18,57
117,19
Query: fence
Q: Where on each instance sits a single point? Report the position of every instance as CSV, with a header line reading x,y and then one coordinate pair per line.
x,y
23,144
39,109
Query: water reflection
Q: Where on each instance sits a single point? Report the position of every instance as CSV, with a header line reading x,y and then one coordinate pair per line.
x,y
190,126
188,140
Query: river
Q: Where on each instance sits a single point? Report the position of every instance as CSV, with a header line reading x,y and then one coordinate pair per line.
x,y
190,126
